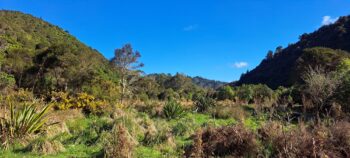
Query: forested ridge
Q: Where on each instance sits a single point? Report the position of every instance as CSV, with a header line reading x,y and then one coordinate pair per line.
x,y
279,66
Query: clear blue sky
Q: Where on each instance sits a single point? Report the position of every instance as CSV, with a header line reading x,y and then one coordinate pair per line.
x,y
216,39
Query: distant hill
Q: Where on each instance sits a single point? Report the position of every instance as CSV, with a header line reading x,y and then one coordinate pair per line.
x,y
164,79
44,57
206,83
280,68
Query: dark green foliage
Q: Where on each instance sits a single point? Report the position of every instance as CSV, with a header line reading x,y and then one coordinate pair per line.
x,y
343,91
226,92
6,80
262,93
203,103
245,93
284,95
173,109
280,69
166,87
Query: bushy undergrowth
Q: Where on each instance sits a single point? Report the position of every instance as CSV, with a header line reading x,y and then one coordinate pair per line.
x,y
317,141
233,141
274,139
203,103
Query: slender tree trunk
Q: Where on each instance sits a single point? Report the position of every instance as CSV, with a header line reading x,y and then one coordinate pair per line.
x,y
123,84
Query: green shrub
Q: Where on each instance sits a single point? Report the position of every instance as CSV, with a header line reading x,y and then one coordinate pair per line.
x,y
6,80
245,93
226,92
202,103
173,109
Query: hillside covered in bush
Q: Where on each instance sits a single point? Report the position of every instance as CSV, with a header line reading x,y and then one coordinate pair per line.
x,y
280,67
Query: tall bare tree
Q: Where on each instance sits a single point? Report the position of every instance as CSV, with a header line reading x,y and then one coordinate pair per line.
x,y
126,61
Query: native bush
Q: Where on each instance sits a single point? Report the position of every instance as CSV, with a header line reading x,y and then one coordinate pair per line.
x,y
203,103
245,93
226,92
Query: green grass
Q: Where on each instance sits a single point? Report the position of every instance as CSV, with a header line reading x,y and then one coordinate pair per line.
x,y
145,152
83,139
254,123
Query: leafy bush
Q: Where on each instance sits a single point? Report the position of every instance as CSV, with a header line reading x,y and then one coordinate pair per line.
x,y
245,93
21,123
343,92
202,103
226,92
173,109
262,93
6,80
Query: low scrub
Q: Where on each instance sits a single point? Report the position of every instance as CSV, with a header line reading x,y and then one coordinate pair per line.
x,y
316,141
43,146
235,141
119,144
225,112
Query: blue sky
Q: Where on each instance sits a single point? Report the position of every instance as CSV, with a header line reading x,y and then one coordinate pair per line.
x,y
214,39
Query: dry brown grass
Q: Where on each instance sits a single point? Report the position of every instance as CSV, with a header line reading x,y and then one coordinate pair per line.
x,y
58,120
45,147
235,141
119,144
314,141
